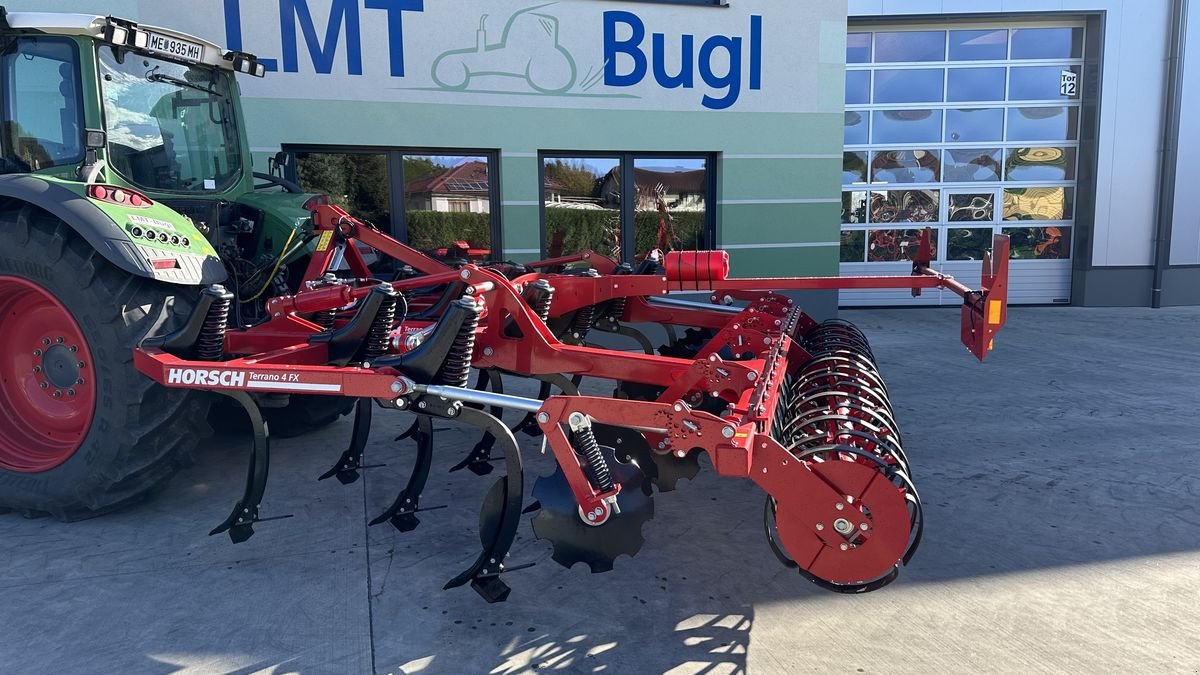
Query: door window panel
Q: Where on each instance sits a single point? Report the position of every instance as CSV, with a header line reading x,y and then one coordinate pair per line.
x,y
858,87
909,86
854,168
359,183
907,126
964,165
896,245
672,203
854,245
905,46
904,206
906,166
974,125
971,207
975,84
858,48
1043,124
43,109
854,208
1040,164
1039,203
1039,243
583,205
967,243
978,45
1047,43
1039,83
447,205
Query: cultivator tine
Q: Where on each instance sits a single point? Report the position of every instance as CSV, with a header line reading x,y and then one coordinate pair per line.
x,y
479,460
240,523
402,514
499,516
351,462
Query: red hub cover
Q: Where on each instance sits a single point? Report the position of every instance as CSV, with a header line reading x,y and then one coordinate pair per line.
x,y
47,389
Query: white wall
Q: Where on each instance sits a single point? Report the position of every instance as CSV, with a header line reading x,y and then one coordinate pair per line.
x,y
1133,87
1185,242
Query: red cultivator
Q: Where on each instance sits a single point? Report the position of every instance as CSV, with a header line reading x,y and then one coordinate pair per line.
x,y
768,393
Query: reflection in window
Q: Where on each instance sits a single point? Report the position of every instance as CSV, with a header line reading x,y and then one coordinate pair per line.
x,y
904,206
854,168
1038,83
854,245
1043,124
973,125
1041,203
858,87
909,86
910,46
972,207
896,245
359,183
1040,164
907,126
975,84
447,202
906,166
43,120
669,213
583,205
857,126
1047,43
858,48
1045,243
967,244
854,208
963,165
978,45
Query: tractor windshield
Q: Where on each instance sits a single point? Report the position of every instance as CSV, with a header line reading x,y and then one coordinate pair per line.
x,y
170,126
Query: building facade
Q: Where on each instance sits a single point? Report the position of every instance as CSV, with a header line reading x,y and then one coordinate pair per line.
x,y
532,128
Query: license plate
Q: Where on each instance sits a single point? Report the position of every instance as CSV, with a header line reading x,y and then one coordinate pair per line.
x,y
172,46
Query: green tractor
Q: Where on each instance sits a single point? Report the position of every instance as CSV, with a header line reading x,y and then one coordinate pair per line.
x,y
125,187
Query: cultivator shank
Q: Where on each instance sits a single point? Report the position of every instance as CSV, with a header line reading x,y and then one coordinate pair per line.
x,y
766,391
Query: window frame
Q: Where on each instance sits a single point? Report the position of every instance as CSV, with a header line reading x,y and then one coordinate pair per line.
x,y
397,198
626,161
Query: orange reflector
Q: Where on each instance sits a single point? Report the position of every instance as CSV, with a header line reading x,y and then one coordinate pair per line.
x,y
165,264
994,309
991,345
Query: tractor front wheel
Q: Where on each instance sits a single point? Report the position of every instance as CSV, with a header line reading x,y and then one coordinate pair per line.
x,y
81,431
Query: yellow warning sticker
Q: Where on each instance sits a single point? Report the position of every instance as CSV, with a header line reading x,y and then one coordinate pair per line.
x,y
994,309
323,242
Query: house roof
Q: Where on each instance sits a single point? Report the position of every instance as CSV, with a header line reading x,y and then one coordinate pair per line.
x,y
466,178
678,182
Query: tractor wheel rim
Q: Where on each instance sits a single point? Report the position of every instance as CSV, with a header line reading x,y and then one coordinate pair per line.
x,y
47,390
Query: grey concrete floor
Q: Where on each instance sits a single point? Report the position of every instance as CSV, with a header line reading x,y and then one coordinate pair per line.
x,y
1061,489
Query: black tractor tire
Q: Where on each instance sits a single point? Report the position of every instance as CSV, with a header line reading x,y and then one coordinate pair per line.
x,y
303,414
140,433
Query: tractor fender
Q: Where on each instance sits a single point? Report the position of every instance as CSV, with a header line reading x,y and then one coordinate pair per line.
x,y
104,235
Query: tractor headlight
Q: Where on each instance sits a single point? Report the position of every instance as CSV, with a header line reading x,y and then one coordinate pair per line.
x,y
246,63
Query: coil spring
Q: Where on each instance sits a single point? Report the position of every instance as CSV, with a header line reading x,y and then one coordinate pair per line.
x,y
210,345
594,465
616,308
324,318
542,296
379,336
456,371
582,322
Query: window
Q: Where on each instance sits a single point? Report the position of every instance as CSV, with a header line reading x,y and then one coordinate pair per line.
x,y
624,205
440,202
43,108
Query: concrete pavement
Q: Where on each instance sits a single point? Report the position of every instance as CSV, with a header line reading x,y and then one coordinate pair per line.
x,y
1062,495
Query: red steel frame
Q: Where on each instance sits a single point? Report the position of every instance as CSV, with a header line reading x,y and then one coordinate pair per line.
x,y
276,357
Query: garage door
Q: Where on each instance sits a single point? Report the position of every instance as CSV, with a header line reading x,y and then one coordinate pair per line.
x,y
971,130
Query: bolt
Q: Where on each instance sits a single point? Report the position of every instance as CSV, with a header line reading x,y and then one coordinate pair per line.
x,y
678,407
465,274
422,405
820,526
37,352
843,526
844,547
681,453
591,516
451,412
74,348
864,527
488,351
59,340
767,341
728,432
839,506
79,381
577,419
752,376
80,364
661,445
46,342
542,418
396,388
70,392
57,393
37,369
44,385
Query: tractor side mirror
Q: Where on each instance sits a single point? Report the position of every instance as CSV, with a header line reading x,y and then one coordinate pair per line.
x,y
94,139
